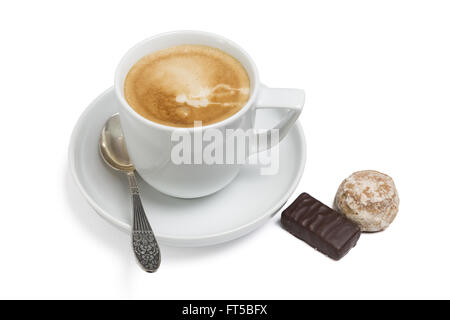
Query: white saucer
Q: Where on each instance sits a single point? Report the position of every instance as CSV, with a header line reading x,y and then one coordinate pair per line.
x,y
241,207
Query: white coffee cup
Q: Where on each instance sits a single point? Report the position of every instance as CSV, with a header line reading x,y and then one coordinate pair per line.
x,y
149,143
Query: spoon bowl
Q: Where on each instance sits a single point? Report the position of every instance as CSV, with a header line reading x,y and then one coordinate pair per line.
x,y
112,145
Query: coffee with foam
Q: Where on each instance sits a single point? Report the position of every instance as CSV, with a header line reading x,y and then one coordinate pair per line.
x,y
187,83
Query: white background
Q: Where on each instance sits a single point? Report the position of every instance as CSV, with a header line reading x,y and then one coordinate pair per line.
x,y
377,79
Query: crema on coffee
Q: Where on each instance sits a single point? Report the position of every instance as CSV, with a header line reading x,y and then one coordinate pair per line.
x,y
187,83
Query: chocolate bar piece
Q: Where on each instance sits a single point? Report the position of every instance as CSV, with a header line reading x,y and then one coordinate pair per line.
x,y
321,227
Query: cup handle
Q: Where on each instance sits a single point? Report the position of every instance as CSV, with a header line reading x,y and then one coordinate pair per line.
x,y
278,98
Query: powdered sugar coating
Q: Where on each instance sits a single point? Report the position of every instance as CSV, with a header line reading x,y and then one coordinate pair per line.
x,y
369,198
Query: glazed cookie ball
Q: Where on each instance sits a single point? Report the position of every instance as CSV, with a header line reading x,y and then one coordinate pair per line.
x,y
369,198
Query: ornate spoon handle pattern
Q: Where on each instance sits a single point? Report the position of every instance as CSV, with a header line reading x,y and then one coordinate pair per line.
x,y
145,247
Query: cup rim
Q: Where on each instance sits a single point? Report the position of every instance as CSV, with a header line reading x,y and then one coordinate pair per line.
x,y
226,121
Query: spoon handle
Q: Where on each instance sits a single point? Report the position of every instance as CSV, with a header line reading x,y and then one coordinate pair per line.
x,y
145,247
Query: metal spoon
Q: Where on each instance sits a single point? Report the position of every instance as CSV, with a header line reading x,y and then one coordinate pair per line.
x,y
114,152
